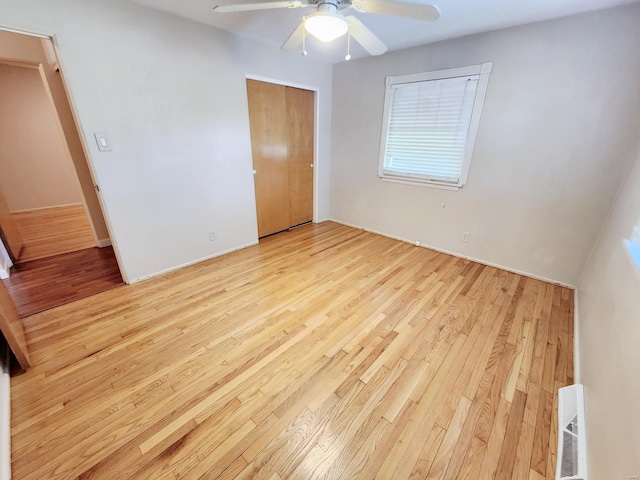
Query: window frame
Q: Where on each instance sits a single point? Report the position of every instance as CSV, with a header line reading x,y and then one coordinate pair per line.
x,y
483,71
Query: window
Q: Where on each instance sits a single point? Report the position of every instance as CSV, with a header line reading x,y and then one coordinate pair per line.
x,y
430,125
633,246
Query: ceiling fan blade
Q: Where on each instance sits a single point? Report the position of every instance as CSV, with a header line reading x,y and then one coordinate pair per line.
x,y
294,40
245,7
416,11
365,37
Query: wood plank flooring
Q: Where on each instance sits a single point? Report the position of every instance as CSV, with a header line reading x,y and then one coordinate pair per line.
x,y
323,352
51,231
46,283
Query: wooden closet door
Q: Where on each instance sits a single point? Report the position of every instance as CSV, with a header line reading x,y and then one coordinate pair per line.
x,y
300,133
268,122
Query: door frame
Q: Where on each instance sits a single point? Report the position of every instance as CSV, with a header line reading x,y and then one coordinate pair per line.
x,y
316,126
81,135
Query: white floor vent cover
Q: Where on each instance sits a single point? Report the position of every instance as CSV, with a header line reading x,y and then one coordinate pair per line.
x,y
572,460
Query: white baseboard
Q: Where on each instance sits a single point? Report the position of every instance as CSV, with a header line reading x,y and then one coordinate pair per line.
x,y
188,264
455,254
104,242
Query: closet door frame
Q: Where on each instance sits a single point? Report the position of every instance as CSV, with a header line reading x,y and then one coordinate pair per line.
x,y
316,126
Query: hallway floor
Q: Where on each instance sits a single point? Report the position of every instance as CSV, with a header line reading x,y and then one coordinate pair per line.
x,y
46,283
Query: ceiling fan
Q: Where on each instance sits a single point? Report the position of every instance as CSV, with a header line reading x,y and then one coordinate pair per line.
x,y
328,23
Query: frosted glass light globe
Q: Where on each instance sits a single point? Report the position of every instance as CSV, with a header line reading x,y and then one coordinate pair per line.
x,y
325,26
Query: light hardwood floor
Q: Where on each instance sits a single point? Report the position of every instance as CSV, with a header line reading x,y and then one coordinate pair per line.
x,y
324,352
52,231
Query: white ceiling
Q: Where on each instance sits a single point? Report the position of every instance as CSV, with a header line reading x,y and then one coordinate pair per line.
x,y
458,18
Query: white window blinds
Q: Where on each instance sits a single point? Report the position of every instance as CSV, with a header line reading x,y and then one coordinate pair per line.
x,y
430,125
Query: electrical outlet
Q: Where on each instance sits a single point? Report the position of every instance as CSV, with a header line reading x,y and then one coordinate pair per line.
x,y
465,237
212,236
417,243
633,477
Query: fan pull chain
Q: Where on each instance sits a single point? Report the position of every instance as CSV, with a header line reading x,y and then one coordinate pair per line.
x,y
348,55
304,38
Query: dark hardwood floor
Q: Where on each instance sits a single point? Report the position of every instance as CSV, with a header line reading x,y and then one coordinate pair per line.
x,y
46,283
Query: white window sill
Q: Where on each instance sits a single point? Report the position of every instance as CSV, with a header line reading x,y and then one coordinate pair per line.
x,y
421,183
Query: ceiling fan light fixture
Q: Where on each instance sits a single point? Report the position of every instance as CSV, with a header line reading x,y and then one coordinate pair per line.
x,y
326,25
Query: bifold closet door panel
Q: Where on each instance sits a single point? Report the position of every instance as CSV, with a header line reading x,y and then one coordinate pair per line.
x,y
268,123
300,141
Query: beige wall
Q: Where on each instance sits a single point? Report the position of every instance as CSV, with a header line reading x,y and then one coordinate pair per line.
x,y
557,131
25,48
36,169
609,332
20,47
172,96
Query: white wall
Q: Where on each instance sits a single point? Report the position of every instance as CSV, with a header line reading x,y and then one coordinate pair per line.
x,y
556,135
171,93
5,261
609,331
36,169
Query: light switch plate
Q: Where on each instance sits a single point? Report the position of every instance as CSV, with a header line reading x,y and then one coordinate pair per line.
x,y
103,141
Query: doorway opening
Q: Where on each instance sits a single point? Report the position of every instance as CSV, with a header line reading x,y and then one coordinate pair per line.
x,y
55,246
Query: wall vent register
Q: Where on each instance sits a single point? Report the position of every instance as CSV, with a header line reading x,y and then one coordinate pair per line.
x,y
572,457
